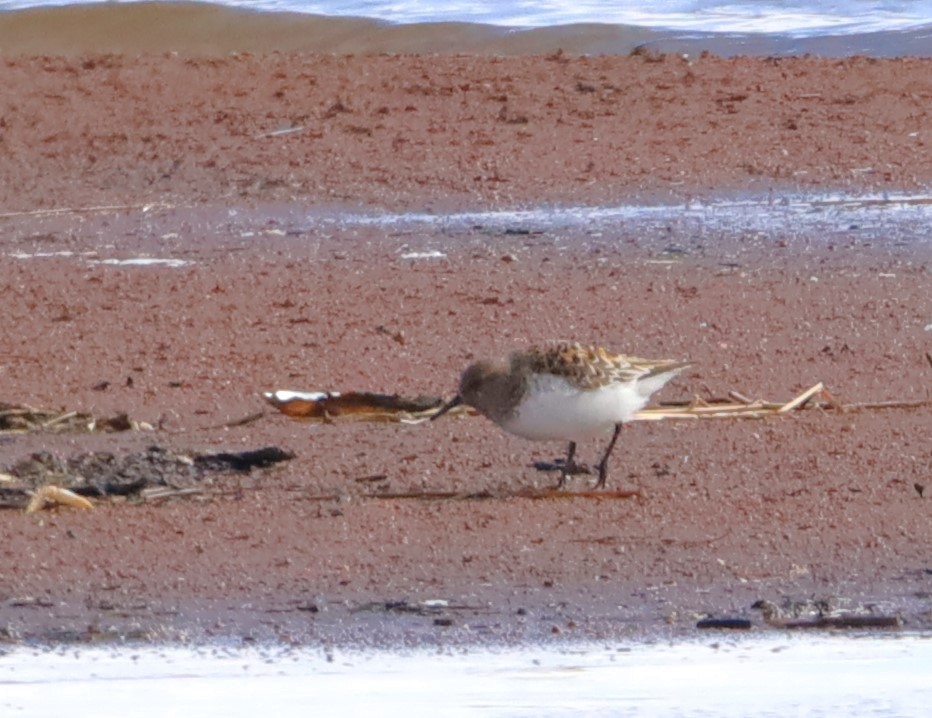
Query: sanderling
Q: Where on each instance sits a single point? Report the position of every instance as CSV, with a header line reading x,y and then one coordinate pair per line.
x,y
565,391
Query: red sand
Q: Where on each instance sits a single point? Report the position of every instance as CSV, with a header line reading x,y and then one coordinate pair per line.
x,y
817,504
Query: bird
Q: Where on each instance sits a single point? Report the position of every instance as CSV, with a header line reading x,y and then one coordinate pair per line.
x,y
563,391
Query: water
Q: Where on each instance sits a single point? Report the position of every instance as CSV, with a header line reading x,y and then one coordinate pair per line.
x,y
894,224
796,18
819,213
749,27
777,675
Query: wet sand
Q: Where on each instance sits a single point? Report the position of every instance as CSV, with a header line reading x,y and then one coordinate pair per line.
x,y
434,133
817,505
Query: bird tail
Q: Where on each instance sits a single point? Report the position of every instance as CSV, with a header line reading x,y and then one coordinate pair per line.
x,y
657,376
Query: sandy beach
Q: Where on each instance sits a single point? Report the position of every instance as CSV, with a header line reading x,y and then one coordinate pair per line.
x,y
223,163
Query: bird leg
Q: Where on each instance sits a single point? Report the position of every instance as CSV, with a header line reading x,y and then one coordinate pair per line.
x,y
569,467
603,464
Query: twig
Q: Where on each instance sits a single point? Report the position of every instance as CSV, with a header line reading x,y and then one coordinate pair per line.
x,y
61,418
249,419
26,411
801,399
738,396
843,621
49,496
888,404
279,133
372,478
167,492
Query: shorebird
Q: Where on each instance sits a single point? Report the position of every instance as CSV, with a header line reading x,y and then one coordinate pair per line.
x,y
564,391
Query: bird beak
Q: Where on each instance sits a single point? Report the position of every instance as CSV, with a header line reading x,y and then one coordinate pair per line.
x,y
452,404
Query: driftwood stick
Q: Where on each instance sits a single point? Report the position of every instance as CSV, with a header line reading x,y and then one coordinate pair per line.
x,y
61,418
739,397
279,133
18,411
242,422
168,492
802,398
843,621
371,478
912,404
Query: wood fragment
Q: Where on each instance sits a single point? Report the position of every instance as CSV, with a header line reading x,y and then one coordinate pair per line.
x,y
279,133
23,419
248,419
167,492
802,398
49,496
372,478
854,620
739,397
356,406
60,419
915,404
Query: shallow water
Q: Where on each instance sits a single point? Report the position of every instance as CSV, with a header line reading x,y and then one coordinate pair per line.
x,y
512,27
794,17
821,212
890,225
776,675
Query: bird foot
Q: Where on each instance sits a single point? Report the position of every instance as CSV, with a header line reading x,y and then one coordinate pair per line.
x,y
572,469
603,474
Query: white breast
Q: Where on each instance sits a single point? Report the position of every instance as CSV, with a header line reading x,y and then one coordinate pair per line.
x,y
555,409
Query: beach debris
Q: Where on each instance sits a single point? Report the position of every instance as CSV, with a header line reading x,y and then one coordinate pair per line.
x,y
328,407
105,209
398,336
242,421
823,614
52,496
43,479
430,607
728,624
21,419
371,478
739,406
280,132
431,254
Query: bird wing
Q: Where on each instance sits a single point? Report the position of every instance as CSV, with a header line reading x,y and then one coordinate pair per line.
x,y
591,367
